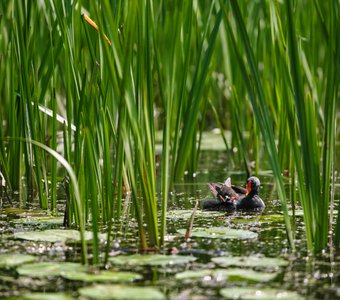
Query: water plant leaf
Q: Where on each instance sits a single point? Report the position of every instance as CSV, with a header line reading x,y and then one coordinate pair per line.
x,y
12,260
22,212
46,296
36,220
222,233
263,294
186,214
297,213
106,292
235,274
151,260
53,235
104,276
47,269
249,261
271,218
260,219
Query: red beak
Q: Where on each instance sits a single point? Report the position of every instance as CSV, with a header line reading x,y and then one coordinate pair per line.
x,y
248,187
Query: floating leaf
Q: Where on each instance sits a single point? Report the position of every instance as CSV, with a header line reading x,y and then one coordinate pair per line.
x,y
186,214
260,219
151,260
106,292
53,235
104,276
46,296
236,274
250,261
36,220
46,269
298,213
263,294
221,233
271,218
21,212
12,260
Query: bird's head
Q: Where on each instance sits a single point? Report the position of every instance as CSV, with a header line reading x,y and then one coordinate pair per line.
x,y
253,185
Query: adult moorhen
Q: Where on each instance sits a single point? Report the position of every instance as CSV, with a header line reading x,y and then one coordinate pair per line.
x,y
229,197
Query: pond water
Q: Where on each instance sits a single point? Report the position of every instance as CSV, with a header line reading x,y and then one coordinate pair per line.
x,y
208,266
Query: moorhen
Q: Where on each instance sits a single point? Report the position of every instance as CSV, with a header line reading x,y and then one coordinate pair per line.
x,y
229,197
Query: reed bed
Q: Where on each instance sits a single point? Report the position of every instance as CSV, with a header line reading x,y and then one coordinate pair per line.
x,y
94,83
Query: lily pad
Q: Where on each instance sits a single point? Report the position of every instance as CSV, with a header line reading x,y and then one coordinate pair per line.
x,y
260,219
47,269
106,292
12,260
271,218
46,296
250,261
104,276
21,212
151,260
53,235
36,220
221,233
263,294
236,274
298,213
186,214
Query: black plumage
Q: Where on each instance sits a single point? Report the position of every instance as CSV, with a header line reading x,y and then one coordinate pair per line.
x,y
229,197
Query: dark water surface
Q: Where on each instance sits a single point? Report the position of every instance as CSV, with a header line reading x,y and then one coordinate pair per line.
x,y
311,277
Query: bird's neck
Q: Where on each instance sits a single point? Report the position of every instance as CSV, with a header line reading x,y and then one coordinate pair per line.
x,y
253,193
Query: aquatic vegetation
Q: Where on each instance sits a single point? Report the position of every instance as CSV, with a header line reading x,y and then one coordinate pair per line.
x,y
253,293
55,235
232,274
48,269
151,260
9,260
46,296
222,233
250,261
85,88
103,276
118,292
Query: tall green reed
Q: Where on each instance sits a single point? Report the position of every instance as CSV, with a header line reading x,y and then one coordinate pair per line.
x,y
256,95
316,196
281,100
163,57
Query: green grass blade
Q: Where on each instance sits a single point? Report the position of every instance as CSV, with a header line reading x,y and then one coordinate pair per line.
x,y
261,112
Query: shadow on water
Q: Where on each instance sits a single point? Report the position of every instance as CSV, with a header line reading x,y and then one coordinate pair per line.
x,y
311,278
